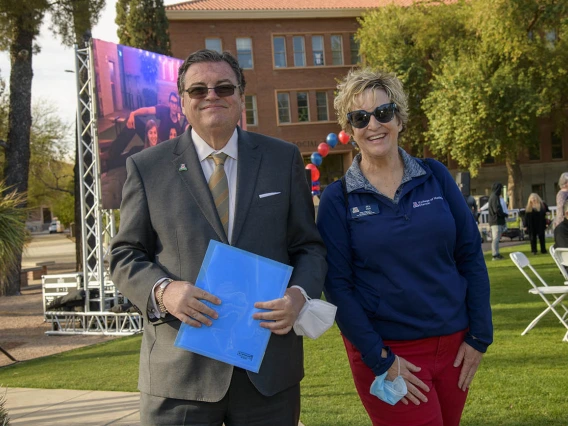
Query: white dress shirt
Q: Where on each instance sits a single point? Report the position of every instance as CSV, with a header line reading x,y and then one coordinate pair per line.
x,y
208,166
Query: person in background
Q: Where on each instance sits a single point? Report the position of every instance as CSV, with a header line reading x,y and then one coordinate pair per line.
x,y
405,266
151,138
561,197
168,115
535,221
497,219
173,132
561,230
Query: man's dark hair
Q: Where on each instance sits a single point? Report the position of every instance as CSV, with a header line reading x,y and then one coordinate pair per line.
x,y
206,55
175,95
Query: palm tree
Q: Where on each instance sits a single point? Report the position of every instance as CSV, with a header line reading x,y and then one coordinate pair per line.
x,y
12,236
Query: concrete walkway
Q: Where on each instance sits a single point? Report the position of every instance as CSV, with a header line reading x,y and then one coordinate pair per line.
x,y
46,407
42,407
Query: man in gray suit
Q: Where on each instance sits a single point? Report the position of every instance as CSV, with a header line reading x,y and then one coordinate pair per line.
x,y
171,209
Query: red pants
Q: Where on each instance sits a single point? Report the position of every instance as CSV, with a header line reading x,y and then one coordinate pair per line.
x,y
436,356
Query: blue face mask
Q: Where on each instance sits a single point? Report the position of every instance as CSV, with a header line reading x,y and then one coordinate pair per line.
x,y
387,391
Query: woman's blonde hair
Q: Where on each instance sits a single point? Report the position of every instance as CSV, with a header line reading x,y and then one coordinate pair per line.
x,y
535,197
359,80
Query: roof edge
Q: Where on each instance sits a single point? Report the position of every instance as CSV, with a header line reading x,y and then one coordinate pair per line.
x,y
184,15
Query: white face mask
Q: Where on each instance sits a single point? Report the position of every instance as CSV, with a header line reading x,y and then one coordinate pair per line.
x,y
315,318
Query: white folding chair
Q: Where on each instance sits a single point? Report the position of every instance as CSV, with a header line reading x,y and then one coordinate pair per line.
x,y
560,256
553,296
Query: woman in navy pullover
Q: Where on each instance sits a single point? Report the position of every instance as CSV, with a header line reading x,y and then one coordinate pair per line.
x,y
406,269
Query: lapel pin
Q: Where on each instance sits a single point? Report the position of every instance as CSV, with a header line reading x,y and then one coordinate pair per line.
x,y
182,168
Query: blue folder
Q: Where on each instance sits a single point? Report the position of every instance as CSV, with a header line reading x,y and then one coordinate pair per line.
x,y
240,279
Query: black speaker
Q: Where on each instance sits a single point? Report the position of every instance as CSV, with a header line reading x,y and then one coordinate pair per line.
x,y
463,181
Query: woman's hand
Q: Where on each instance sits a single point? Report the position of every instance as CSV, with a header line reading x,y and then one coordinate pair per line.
x,y
413,383
470,359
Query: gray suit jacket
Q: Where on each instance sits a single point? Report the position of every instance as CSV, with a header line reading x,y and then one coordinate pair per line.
x,y
167,220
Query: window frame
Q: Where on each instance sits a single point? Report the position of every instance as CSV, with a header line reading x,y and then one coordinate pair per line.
x,y
322,38
334,52
318,106
354,48
241,50
254,111
556,142
305,110
215,38
274,53
302,52
280,108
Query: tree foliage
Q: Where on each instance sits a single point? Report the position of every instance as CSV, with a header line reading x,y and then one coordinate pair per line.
x,y
143,24
70,19
411,42
12,235
479,75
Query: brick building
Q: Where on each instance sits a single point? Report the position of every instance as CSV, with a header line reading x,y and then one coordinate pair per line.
x,y
293,52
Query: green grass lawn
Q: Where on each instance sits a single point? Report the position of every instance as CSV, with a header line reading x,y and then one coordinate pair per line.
x,y
522,380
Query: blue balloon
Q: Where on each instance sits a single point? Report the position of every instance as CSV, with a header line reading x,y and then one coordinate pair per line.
x,y
315,183
315,193
332,140
316,159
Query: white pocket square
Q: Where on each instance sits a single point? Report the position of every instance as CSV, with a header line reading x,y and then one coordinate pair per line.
x,y
268,194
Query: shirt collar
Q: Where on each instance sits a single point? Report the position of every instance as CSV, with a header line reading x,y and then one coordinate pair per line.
x,y
355,179
204,149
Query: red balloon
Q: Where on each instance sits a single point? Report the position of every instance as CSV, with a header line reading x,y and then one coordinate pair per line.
x,y
323,149
343,137
314,170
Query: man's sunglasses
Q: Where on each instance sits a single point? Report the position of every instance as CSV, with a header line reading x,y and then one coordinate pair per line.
x,y
223,90
360,118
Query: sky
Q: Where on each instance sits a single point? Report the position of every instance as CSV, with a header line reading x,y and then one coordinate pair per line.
x,y
51,83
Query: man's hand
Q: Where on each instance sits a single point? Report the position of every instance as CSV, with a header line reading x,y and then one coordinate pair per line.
x,y
182,300
413,383
130,122
283,312
471,358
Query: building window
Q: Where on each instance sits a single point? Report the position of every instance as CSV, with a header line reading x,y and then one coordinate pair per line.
x,y
214,44
534,151
317,49
299,51
556,146
283,108
336,50
354,48
279,46
303,109
250,107
321,103
244,52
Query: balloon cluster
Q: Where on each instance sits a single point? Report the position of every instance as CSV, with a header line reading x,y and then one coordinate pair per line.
x,y
317,157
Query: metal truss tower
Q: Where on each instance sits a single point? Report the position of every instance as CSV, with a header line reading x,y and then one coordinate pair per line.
x,y
97,225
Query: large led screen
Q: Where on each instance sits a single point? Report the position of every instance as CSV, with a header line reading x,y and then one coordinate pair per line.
x,y
137,107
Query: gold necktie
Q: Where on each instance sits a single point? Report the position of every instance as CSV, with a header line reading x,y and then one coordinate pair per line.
x,y
219,186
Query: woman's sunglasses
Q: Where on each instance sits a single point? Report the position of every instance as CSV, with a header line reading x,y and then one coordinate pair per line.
x,y
223,90
360,118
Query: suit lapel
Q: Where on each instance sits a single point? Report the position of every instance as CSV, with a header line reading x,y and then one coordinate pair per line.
x,y
189,169
247,172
